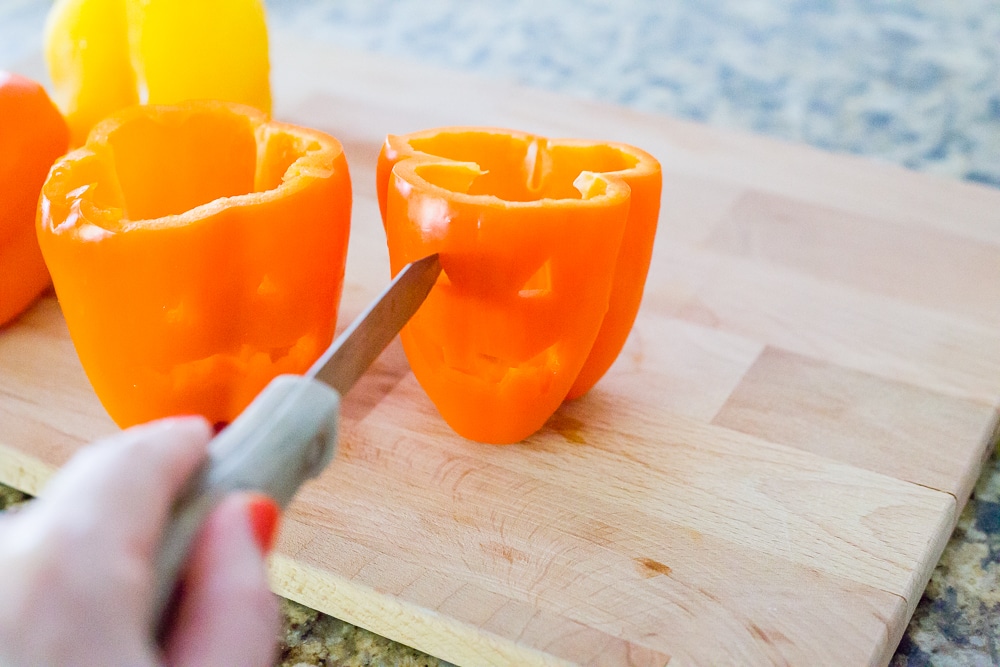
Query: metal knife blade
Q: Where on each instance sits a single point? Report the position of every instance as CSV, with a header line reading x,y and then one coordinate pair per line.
x,y
359,345
288,434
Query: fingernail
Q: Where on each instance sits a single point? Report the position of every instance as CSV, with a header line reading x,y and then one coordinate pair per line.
x,y
264,515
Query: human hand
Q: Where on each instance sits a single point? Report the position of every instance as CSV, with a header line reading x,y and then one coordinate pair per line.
x,y
76,566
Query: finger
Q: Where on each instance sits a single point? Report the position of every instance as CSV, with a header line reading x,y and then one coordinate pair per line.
x,y
227,613
119,490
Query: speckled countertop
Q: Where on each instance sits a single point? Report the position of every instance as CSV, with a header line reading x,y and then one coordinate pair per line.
x,y
911,82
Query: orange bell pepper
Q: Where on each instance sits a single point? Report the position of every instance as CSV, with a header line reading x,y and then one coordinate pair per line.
x,y
32,135
544,246
197,251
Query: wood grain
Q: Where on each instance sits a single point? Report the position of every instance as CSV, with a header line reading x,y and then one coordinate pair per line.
x,y
861,419
933,268
767,475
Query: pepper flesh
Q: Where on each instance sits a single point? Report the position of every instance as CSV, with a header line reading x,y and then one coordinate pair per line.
x,y
104,55
531,234
32,135
197,251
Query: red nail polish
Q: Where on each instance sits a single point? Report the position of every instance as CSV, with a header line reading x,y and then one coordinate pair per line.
x,y
264,516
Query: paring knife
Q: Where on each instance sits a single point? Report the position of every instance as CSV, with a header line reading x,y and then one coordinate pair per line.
x,y
288,434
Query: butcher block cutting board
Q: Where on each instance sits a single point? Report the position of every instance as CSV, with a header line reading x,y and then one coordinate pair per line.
x,y
767,475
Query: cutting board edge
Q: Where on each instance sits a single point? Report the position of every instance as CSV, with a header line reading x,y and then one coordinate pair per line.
x,y
373,611
935,551
990,447
23,472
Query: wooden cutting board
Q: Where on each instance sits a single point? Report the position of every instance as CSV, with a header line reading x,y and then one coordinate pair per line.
x,y
767,475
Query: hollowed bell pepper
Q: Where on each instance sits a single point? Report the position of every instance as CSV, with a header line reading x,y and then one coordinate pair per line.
x,y
104,55
197,251
545,246
32,135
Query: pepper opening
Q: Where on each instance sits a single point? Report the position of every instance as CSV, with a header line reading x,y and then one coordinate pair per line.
x,y
173,162
523,168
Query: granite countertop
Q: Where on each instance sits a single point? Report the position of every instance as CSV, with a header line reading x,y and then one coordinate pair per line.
x,y
910,82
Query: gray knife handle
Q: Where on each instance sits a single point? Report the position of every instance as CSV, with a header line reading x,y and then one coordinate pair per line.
x,y
287,435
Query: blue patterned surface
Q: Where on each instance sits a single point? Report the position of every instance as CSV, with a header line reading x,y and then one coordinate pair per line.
x,y
913,82
916,83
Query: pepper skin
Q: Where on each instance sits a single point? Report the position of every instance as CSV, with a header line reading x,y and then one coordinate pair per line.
x,y
544,246
104,55
32,135
197,251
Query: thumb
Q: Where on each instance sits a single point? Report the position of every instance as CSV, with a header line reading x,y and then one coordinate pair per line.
x,y
227,614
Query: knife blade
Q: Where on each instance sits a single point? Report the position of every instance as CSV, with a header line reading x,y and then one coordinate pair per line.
x,y
288,434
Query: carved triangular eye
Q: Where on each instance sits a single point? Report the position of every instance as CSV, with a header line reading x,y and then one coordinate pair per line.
x,y
540,282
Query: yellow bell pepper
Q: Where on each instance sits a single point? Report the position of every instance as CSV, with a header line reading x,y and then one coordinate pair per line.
x,y
104,55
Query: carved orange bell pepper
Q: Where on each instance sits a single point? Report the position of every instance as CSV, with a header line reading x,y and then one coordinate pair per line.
x,y
197,251
544,246
32,135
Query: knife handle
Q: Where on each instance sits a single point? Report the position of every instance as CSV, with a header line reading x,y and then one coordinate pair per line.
x,y
287,435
